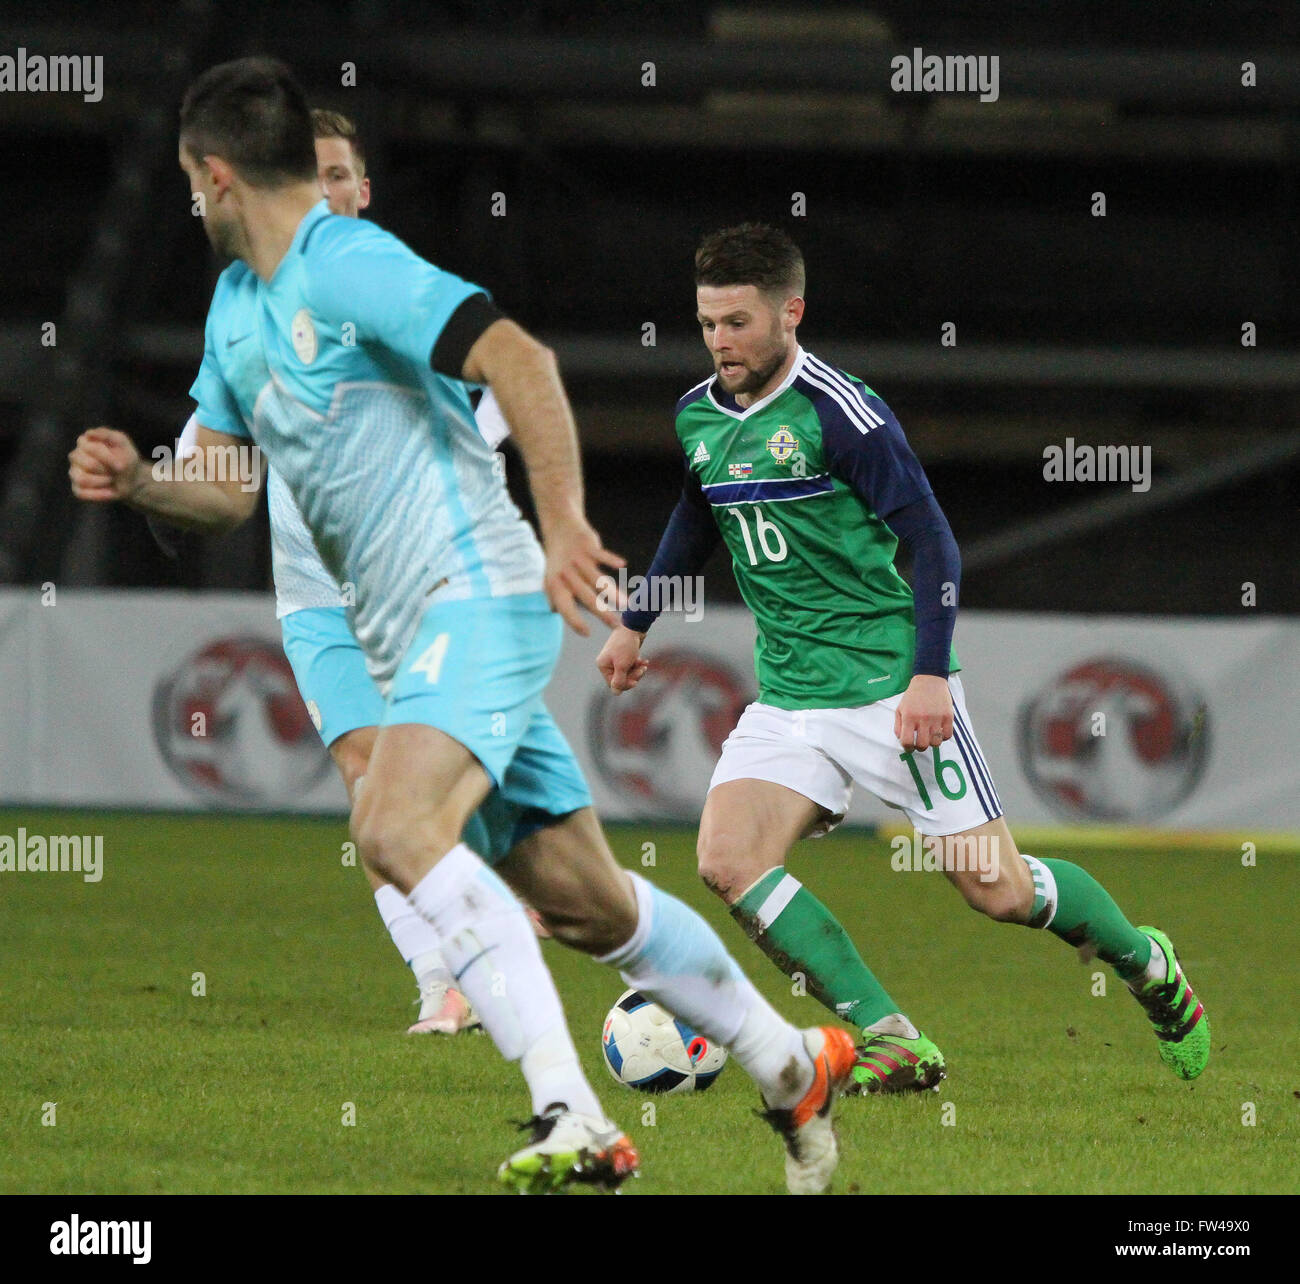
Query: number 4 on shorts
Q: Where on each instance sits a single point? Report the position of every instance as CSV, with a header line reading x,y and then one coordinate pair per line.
x,y
941,767
430,663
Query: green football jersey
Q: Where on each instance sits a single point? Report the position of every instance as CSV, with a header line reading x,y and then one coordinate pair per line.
x,y
785,479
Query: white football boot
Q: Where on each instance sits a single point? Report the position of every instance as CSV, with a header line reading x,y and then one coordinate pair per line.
x,y
569,1147
444,1010
811,1151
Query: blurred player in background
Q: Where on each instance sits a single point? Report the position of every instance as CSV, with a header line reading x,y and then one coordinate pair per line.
x,y
340,162
805,473
347,359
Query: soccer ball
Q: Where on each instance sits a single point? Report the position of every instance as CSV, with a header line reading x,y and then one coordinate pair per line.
x,y
649,1050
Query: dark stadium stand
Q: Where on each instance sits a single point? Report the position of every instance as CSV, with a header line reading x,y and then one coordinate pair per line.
x,y
921,210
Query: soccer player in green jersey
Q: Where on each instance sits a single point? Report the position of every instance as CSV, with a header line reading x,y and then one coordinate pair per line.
x,y
806,474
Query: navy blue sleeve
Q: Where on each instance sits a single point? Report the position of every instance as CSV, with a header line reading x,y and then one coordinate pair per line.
x,y
936,580
871,454
687,543
887,476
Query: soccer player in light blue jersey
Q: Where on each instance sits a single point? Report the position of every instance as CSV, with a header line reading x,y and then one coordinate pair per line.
x,y
352,379
328,664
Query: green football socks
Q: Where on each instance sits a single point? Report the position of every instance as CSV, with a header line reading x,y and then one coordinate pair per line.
x,y
803,938
1071,904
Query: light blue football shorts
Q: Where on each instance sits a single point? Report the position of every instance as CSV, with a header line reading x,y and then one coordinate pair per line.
x,y
330,670
476,670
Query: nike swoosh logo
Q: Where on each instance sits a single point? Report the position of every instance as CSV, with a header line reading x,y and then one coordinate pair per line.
x,y
230,343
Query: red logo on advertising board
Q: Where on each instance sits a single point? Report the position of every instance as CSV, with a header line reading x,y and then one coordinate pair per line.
x,y
230,724
659,742
1114,739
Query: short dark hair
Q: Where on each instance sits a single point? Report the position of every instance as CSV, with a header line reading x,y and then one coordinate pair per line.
x,y
334,124
751,254
252,113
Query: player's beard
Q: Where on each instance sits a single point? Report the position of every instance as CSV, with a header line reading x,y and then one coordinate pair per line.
x,y
754,379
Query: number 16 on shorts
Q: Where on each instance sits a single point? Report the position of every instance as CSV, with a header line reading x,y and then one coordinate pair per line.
x,y
950,784
947,774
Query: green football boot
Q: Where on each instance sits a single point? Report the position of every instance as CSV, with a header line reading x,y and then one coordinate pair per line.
x,y
1177,1014
891,1063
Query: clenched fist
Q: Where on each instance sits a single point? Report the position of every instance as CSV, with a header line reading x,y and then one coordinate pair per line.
x,y
104,465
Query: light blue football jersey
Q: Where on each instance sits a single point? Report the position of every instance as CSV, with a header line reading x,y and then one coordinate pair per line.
x,y
300,578
326,368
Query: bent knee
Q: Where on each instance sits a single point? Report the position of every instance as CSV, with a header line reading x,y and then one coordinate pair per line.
x,y
1005,907
728,863
595,934
377,841
1005,901
395,845
591,926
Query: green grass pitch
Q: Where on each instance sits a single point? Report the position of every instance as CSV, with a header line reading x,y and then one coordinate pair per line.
x,y
244,1089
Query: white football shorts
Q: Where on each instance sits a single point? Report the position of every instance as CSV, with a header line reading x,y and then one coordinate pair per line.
x,y
822,753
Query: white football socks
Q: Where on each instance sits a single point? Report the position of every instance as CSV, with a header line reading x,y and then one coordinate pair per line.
x,y
493,954
677,960
416,941
431,972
